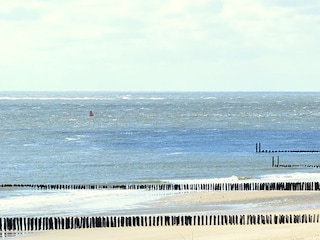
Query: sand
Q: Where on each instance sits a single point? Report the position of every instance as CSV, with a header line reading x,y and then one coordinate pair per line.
x,y
287,231
263,232
283,198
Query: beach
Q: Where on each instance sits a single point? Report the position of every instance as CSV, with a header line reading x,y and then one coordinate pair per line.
x,y
159,138
300,202
263,232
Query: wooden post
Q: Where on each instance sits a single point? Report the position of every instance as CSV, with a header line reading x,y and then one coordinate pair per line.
x,y
272,161
259,147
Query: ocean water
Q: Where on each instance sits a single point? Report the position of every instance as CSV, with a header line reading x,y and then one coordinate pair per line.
x,y
145,137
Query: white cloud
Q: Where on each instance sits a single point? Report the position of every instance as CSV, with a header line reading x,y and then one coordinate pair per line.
x,y
196,42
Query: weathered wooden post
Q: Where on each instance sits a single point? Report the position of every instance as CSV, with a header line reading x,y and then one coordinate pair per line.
x,y
272,162
259,147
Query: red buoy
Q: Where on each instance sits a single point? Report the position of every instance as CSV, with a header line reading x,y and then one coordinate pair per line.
x,y
91,114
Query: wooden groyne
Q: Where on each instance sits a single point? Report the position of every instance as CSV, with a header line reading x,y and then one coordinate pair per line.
x,y
260,150
239,186
56,223
278,165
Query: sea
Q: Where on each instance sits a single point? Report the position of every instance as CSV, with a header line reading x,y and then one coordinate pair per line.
x,y
149,138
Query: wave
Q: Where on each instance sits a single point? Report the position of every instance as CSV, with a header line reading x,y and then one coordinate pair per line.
x,y
285,177
79,98
291,177
71,202
55,98
200,181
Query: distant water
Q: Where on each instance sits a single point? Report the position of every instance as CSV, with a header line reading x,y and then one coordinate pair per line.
x,y
48,138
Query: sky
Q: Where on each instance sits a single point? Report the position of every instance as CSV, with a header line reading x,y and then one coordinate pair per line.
x,y
159,45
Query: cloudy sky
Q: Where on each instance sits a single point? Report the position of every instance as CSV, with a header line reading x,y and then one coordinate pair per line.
x,y
160,45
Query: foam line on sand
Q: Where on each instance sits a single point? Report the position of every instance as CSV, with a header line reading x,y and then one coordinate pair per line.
x,y
296,200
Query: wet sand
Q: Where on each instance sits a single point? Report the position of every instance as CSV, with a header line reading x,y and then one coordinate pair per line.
x,y
296,202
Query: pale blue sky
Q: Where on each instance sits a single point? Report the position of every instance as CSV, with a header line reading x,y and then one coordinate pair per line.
x,y
160,45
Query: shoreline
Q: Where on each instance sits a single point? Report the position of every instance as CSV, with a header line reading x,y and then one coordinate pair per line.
x,y
252,231
208,197
238,202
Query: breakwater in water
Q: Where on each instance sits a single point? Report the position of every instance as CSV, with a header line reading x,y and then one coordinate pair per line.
x,y
56,223
260,150
278,165
241,186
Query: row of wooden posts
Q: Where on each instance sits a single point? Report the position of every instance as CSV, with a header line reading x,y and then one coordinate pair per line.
x,y
260,150
278,165
240,186
55,223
